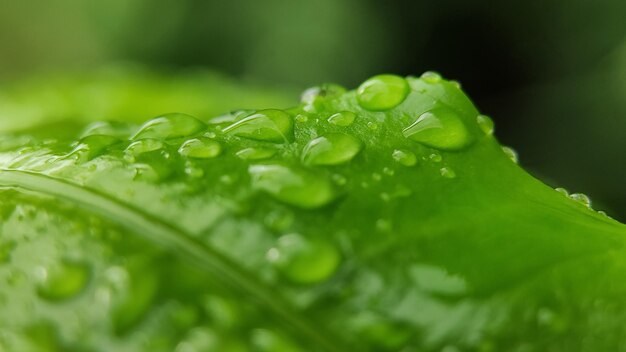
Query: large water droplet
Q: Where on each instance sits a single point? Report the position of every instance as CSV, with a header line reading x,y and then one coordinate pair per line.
x,y
303,260
581,198
266,125
170,126
332,149
93,146
313,94
256,153
404,157
343,118
200,148
108,128
440,128
64,280
485,123
382,92
297,187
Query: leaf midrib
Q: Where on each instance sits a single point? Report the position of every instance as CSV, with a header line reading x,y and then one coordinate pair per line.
x,y
175,239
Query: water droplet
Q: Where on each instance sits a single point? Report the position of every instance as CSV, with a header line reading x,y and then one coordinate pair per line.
x,y
298,187
456,84
343,118
135,301
440,128
170,126
302,118
193,170
404,157
279,220
435,157
92,146
372,126
303,260
270,125
581,198
339,179
108,128
332,149
431,77
64,280
447,172
200,148
256,153
142,146
382,92
485,123
563,191
311,95
388,171
511,153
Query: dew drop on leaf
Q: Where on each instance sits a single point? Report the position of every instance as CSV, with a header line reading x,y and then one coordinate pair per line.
x,y
447,172
63,280
331,149
581,198
143,146
298,187
270,125
303,260
343,118
431,77
511,153
170,126
382,92
404,157
256,153
440,128
485,123
200,148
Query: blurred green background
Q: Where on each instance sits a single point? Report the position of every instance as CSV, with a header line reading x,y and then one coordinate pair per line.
x,y
552,74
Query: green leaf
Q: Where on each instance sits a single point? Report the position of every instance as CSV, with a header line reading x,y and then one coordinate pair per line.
x,y
352,222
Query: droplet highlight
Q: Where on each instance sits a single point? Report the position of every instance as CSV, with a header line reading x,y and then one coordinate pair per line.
x,y
486,124
404,157
170,126
431,77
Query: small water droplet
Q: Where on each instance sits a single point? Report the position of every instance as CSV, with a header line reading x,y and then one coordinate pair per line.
x,y
439,128
92,146
193,170
332,149
382,92
295,186
311,95
170,126
563,191
270,125
210,134
302,118
431,77
447,172
200,148
303,260
372,126
435,157
64,280
339,179
388,171
456,84
581,198
279,220
511,153
404,157
485,123
256,153
343,118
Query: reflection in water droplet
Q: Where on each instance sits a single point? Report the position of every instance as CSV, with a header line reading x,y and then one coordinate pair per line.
x,y
404,157
511,153
170,126
270,125
431,77
303,260
485,123
311,95
298,187
439,128
447,172
200,148
382,92
64,280
332,149
343,118
256,153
